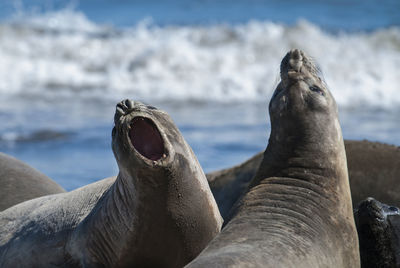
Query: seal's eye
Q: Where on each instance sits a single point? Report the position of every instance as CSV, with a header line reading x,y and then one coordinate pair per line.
x,y
394,209
316,89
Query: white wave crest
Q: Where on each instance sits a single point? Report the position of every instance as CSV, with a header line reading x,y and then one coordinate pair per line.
x,y
65,54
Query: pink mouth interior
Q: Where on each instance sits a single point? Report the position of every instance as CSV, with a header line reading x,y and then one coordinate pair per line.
x,y
146,138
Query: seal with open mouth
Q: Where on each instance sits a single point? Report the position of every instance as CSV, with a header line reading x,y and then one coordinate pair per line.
x,y
297,211
158,212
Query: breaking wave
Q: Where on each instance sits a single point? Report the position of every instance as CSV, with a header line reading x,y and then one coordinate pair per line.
x,y
63,54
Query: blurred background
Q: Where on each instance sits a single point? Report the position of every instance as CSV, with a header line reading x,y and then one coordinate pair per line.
x,y
211,64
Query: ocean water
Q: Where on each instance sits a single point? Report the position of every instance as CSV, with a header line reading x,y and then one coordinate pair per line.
x,y
212,65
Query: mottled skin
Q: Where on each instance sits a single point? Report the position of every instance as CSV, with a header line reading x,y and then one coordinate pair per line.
x,y
158,212
297,211
374,170
20,182
378,227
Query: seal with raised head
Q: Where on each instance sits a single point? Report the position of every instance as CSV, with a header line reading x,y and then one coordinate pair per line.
x,y
373,171
378,227
297,211
20,182
158,212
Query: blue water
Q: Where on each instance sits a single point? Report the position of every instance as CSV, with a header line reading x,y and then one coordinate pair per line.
x,y
212,65
332,14
221,135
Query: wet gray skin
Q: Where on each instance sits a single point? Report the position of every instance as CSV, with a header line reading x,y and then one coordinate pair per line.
x,y
378,227
158,212
297,211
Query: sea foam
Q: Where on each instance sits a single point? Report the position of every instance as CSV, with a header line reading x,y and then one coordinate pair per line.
x,y
64,54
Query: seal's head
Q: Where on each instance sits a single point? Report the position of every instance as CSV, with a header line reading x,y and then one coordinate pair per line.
x,y
378,228
371,210
302,106
142,136
305,130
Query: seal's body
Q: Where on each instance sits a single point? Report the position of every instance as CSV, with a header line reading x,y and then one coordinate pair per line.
x,y
158,212
297,211
20,182
374,170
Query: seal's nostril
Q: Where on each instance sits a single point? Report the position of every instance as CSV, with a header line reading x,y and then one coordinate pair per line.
x,y
120,106
129,104
296,54
121,109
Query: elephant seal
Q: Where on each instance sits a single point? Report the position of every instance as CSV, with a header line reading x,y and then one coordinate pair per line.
x,y
374,170
297,211
378,227
227,185
158,212
20,182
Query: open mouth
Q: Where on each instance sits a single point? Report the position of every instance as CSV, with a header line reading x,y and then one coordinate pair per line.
x,y
146,138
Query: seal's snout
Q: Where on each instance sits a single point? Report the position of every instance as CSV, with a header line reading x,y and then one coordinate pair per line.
x,y
296,54
292,63
295,60
123,108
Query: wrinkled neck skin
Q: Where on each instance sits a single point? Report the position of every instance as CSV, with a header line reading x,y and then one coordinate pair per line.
x,y
130,214
114,223
298,202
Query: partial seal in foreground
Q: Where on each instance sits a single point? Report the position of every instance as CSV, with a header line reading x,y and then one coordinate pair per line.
x,y
378,227
158,212
20,182
297,211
